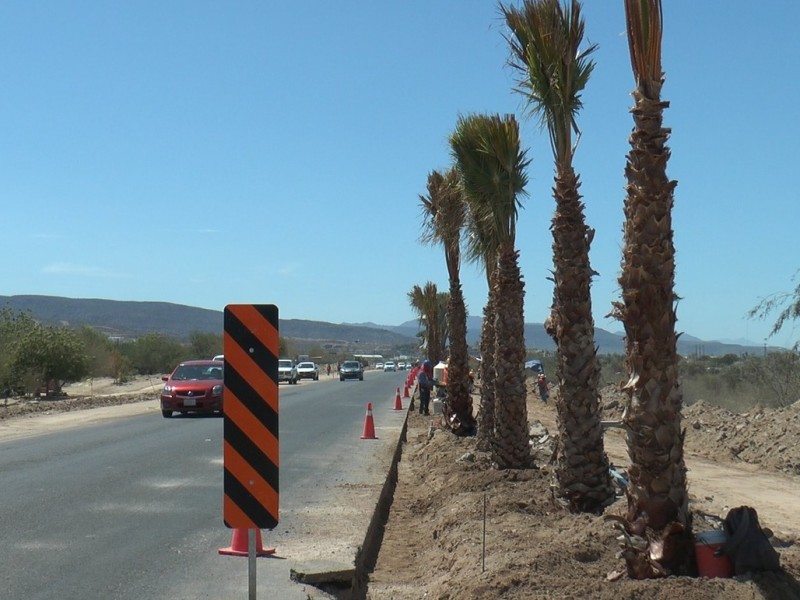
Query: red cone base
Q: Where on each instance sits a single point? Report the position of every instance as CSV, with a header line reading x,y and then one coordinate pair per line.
x,y
369,425
398,404
239,545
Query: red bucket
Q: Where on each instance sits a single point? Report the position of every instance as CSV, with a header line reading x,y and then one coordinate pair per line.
x,y
708,565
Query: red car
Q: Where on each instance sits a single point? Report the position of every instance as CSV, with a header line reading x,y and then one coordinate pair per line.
x,y
194,386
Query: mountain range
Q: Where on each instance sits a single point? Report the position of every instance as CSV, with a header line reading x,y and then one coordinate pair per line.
x,y
130,319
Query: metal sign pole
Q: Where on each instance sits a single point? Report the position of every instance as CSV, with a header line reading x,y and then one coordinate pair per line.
x,y
251,562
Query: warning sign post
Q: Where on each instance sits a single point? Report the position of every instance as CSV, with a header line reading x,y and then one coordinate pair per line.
x,y
250,441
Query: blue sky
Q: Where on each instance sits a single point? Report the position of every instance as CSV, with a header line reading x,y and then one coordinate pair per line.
x,y
208,153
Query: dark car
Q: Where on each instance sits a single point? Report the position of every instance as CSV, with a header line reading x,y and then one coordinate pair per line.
x,y
351,369
194,386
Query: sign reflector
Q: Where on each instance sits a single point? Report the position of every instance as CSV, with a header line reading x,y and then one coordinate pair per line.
x,y
250,409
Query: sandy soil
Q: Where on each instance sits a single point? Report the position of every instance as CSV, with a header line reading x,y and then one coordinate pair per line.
x,y
460,529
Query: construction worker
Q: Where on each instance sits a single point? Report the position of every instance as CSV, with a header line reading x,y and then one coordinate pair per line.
x,y
425,383
541,381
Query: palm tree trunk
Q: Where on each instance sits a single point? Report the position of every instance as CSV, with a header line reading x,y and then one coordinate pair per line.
x,y
582,469
486,420
511,449
458,393
657,495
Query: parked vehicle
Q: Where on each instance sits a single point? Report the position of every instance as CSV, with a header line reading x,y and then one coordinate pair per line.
x,y
389,366
287,371
351,369
308,370
194,386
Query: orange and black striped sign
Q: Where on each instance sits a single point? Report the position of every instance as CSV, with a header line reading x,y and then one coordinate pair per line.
x,y
250,407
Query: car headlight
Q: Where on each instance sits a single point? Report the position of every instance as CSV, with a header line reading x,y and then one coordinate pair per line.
x,y
216,390
167,391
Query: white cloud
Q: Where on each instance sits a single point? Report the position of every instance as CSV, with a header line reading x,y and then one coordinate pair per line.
x,y
81,271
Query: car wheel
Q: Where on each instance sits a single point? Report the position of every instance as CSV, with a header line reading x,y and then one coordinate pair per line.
x,y
167,414
341,378
361,378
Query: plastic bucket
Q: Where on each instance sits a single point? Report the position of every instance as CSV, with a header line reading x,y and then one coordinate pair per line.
x,y
708,565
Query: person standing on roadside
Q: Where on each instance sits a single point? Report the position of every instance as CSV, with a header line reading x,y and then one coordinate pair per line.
x,y
541,381
425,383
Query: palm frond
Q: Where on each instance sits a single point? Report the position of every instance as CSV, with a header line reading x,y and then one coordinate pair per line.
x,y
444,213
491,165
545,39
644,20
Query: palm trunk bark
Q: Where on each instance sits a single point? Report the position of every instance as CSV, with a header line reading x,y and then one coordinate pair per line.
x,y
582,472
458,393
657,495
486,409
511,449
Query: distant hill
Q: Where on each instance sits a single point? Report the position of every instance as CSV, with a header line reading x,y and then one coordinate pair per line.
x,y
129,319
606,341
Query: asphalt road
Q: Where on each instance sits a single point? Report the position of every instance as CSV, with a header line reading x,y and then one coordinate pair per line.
x,y
132,508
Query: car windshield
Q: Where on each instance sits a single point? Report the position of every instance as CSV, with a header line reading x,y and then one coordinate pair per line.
x,y
205,372
285,363
305,366
352,365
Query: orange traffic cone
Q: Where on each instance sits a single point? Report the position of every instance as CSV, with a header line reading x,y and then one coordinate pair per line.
x,y
239,544
369,425
398,404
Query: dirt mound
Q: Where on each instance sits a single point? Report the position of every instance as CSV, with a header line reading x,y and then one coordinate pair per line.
x,y
760,436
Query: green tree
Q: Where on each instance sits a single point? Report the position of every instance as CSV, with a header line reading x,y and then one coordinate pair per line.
x,y
205,344
658,498
491,166
99,351
545,43
13,327
49,357
154,353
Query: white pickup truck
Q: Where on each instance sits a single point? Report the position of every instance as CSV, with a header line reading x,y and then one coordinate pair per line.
x,y
287,371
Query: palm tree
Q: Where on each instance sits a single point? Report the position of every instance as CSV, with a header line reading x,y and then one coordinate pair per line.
x,y
657,495
491,165
444,212
426,302
545,50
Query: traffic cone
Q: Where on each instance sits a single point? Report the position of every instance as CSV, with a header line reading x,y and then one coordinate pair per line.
x,y
405,392
239,544
398,404
369,425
